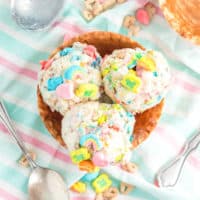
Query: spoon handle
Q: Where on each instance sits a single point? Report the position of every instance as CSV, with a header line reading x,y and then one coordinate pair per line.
x,y
7,122
169,175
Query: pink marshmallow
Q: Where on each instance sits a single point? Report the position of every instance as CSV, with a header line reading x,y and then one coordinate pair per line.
x,y
142,16
99,159
45,64
65,91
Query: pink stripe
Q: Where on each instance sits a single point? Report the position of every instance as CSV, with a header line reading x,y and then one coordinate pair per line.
x,y
69,27
41,145
13,67
7,195
186,85
195,162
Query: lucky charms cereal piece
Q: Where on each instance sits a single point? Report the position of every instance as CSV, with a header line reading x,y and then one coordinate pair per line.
x,y
101,183
90,176
66,51
65,90
129,167
88,15
102,119
111,193
79,155
142,16
133,30
79,187
87,90
100,159
129,20
125,188
87,165
54,82
45,64
23,161
90,51
91,141
72,71
131,81
96,62
105,71
150,8
147,63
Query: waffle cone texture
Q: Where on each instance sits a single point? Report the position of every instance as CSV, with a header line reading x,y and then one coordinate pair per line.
x,y
105,42
184,17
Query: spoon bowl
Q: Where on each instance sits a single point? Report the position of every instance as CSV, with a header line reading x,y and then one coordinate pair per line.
x,y
35,14
46,184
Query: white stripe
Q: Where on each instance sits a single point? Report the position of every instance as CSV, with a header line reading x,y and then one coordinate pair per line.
x,y
18,61
19,194
39,46
48,139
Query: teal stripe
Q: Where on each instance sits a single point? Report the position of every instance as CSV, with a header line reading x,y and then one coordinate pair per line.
x,y
25,117
20,49
13,177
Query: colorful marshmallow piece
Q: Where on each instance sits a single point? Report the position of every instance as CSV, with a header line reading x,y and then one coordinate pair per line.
x,y
114,66
101,183
45,64
54,82
100,159
91,175
96,62
119,158
117,106
87,165
79,187
105,71
66,51
142,16
71,71
131,81
79,155
90,51
147,63
65,91
75,58
102,119
87,90
91,141
155,74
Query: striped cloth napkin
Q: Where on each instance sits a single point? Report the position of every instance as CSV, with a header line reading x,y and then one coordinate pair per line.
x,y
20,53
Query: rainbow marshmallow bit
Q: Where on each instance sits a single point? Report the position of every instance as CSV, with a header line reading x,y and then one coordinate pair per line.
x,y
91,140
79,155
101,183
72,71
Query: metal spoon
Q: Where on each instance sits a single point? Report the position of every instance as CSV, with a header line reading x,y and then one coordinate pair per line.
x,y
44,184
169,174
35,14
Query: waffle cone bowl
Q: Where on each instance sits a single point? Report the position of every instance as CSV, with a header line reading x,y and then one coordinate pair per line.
x,y
184,17
105,42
